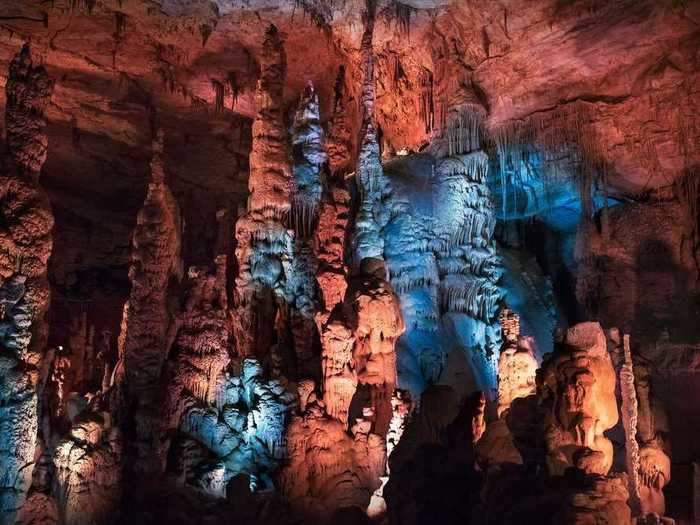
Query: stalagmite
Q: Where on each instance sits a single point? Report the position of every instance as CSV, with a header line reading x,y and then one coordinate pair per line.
x,y
200,352
310,163
654,464
577,392
629,421
335,208
368,244
516,374
146,325
264,245
25,239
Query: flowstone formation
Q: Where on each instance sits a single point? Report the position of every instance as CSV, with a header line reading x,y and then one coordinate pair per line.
x,y
442,262
25,237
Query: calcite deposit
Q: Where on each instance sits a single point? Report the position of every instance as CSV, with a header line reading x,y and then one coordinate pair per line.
x,y
577,389
400,262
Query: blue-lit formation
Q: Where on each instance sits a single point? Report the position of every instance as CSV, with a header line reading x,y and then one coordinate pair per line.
x,y
244,429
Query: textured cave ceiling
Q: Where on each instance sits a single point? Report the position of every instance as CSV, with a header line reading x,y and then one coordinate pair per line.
x,y
116,62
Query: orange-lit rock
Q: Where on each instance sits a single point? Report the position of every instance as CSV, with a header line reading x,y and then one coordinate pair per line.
x,y
330,468
262,239
577,391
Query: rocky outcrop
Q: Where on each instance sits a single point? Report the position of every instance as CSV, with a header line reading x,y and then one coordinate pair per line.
x,y
146,330
25,238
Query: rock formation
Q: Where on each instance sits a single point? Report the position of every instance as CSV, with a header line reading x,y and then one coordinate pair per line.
x,y
200,353
577,390
264,245
146,332
414,233
243,428
26,242
89,471
329,467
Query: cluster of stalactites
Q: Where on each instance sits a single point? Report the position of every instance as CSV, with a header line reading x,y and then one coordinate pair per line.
x,y
564,145
464,129
310,159
463,236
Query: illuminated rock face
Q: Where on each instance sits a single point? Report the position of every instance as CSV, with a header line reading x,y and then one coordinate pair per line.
x,y
330,468
200,353
25,238
577,390
264,248
243,428
89,471
145,335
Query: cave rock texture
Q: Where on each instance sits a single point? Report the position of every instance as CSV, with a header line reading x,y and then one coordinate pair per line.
x,y
402,262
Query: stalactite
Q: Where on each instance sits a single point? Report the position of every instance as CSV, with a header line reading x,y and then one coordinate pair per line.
x,y
403,17
25,238
464,130
120,24
145,336
205,31
629,421
426,104
218,96
319,12
565,143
